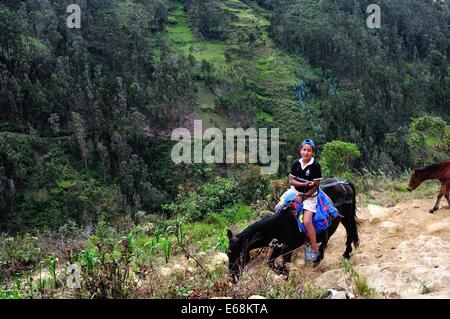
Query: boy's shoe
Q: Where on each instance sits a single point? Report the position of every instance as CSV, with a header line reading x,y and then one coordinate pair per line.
x,y
311,255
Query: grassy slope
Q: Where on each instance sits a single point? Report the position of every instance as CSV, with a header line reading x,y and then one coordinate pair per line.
x,y
273,71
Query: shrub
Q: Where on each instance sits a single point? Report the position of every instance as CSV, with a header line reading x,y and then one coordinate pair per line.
x,y
208,199
253,186
429,140
18,254
337,158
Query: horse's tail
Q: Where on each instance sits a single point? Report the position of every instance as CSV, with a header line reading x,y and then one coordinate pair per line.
x,y
352,221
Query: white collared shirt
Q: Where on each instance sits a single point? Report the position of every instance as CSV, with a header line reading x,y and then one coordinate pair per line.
x,y
310,162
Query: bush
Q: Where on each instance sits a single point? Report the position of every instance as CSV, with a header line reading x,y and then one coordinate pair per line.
x,y
429,140
18,254
337,158
253,186
208,199
221,193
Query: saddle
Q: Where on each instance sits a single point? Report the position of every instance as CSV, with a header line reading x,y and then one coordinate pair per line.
x,y
348,197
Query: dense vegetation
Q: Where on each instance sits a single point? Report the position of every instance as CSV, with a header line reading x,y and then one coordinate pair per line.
x,y
80,105
375,80
86,115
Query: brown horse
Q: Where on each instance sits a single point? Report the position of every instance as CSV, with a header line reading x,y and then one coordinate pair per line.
x,y
440,171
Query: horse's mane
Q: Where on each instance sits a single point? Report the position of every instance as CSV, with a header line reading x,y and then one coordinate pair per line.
x,y
432,166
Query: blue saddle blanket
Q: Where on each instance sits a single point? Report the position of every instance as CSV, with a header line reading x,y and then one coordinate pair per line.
x,y
325,210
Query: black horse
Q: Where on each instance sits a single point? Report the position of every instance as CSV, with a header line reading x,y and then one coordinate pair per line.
x,y
284,228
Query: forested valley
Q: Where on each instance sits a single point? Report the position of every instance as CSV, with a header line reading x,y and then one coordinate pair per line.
x,y
86,117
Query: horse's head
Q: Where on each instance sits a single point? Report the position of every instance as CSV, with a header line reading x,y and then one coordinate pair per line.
x,y
414,181
235,255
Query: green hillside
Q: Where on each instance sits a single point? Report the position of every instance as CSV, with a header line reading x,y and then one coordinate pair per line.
x,y
114,90
86,115
247,54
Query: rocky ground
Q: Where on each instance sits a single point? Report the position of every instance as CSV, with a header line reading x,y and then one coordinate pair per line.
x,y
404,252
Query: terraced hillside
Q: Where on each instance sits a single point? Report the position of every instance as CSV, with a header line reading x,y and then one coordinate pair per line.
x,y
248,53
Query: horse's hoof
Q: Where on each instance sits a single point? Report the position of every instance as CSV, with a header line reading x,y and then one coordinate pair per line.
x,y
317,262
234,279
431,211
283,275
345,256
280,272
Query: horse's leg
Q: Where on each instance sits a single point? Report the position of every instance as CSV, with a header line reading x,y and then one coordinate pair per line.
x,y
447,194
350,227
322,247
324,242
274,254
278,251
441,193
287,257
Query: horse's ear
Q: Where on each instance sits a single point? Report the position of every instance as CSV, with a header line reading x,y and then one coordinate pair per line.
x,y
229,234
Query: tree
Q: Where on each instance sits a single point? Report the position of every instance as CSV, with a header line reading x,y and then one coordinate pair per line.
x,y
337,158
79,130
209,19
104,156
10,36
54,121
429,139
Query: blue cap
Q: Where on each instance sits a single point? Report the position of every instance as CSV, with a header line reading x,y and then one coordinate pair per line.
x,y
309,142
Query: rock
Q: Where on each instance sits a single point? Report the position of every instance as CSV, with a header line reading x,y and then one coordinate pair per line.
x,y
390,227
377,213
291,267
279,278
166,271
144,218
334,294
299,263
191,270
438,227
43,275
220,259
418,268
178,269
333,279
363,214
350,295
201,254
201,257
256,297
329,279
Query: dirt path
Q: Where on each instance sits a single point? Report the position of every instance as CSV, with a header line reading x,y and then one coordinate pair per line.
x,y
404,252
